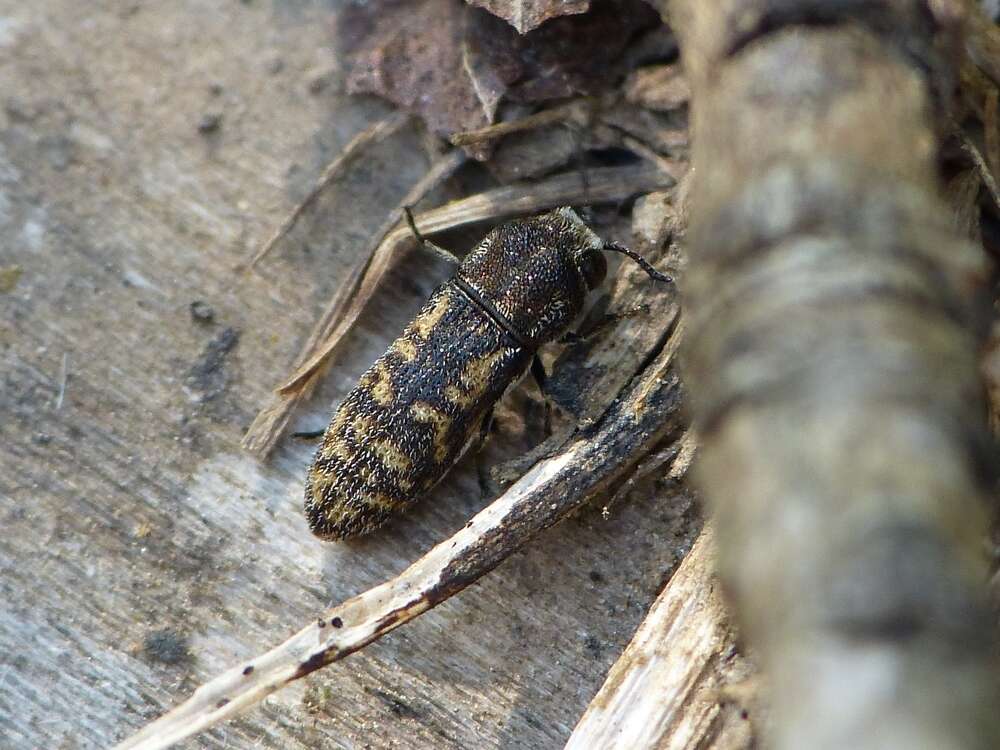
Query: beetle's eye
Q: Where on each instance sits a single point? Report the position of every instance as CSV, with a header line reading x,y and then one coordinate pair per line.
x,y
594,268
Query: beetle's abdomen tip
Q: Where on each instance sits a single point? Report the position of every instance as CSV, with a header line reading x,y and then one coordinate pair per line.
x,y
334,516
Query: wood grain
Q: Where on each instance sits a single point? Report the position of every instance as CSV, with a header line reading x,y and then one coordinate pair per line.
x,y
665,691
142,550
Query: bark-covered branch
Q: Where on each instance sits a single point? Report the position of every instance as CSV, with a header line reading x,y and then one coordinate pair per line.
x,y
832,367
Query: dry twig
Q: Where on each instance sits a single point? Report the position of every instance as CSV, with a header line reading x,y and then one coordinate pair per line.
x,y
340,314
663,692
355,147
550,116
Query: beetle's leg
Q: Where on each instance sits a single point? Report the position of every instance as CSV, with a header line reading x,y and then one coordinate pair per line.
x,y
578,337
426,243
483,473
540,376
308,434
572,337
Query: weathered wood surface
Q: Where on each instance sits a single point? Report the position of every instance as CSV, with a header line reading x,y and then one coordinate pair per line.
x,y
666,691
142,551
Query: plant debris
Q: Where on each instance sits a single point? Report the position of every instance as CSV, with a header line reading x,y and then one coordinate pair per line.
x,y
525,15
658,87
453,65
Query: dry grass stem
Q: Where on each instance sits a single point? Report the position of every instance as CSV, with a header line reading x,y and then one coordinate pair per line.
x,y
560,113
340,314
354,148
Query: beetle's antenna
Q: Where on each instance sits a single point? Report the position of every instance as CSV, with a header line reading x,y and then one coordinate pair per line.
x,y
643,263
426,243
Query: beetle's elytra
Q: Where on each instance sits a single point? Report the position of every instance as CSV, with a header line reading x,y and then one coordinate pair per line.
x,y
423,402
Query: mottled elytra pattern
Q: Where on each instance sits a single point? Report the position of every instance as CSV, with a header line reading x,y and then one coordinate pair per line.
x,y
417,408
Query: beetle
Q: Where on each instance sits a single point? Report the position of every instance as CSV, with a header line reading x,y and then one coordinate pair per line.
x,y
422,404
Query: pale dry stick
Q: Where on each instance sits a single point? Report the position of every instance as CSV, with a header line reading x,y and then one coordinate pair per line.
x,y
663,691
982,167
560,113
602,185
647,412
377,132
345,304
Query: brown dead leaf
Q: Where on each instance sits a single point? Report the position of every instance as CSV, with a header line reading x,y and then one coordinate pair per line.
x,y
525,15
568,56
416,55
453,64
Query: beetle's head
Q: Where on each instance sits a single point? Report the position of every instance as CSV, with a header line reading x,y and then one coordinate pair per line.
x,y
536,272
589,249
585,248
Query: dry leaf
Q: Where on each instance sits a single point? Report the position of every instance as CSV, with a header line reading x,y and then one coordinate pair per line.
x,y
525,15
416,55
569,56
453,64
